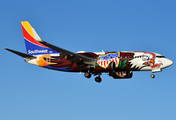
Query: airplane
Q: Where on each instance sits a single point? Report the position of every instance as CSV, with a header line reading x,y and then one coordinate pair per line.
x,y
119,65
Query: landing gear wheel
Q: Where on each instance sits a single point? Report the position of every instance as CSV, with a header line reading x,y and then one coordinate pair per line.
x,y
98,79
152,76
87,75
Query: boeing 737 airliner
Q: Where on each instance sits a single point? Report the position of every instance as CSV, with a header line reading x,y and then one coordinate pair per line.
x,y
118,65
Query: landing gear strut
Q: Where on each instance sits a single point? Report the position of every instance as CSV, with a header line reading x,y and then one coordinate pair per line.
x,y
152,75
155,70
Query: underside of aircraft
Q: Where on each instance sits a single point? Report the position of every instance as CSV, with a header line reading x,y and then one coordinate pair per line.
x,y
119,65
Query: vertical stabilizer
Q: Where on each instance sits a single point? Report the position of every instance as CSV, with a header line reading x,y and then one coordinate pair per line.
x,y
31,37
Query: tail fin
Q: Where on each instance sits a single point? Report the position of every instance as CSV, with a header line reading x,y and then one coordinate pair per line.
x,y
32,46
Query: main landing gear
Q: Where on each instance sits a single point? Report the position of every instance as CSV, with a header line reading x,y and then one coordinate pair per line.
x,y
97,79
87,75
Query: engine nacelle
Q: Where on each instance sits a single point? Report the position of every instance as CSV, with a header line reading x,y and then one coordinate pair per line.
x,y
121,74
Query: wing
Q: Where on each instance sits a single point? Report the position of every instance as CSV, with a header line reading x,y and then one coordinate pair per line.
x,y
69,55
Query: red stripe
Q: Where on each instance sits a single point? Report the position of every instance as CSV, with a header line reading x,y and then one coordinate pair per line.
x,y
101,63
113,59
116,61
105,63
30,38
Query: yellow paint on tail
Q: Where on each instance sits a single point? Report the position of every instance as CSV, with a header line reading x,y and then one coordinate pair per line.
x,y
28,27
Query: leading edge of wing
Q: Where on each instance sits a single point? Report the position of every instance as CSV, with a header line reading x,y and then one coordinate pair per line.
x,y
64,52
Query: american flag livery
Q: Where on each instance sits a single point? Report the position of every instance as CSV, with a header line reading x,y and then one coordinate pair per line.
x,y
105,60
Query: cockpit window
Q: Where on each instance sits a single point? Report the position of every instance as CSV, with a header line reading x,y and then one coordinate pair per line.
x,y
160,56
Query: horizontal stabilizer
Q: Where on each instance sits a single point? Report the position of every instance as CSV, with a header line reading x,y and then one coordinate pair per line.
x,y
20,54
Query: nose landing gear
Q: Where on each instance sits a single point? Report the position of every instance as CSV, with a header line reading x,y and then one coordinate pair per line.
x,y
155,70
152,75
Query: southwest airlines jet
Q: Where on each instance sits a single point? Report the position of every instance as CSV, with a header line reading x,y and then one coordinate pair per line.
x,y
119,65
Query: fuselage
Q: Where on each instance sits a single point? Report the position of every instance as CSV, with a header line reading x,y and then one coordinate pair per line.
x,y
122,61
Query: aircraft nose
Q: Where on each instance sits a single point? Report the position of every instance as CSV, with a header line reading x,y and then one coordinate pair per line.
x,y
168,62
